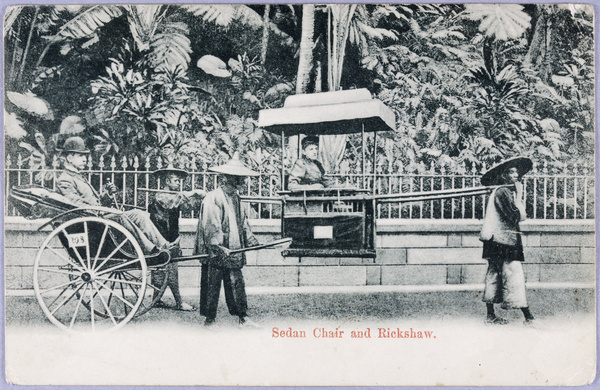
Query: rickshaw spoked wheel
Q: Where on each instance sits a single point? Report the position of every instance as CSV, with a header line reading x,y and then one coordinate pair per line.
x,y
95,263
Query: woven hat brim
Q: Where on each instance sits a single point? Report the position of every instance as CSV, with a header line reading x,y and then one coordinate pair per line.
x,y
233,170
85,151
492,176
168,171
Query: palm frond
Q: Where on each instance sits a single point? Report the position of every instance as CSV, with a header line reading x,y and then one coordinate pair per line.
x,y
170,47
11,15
87,21
220,14
502,21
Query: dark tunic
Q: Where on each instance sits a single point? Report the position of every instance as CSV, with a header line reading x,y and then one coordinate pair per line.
x,y
510,216
164,212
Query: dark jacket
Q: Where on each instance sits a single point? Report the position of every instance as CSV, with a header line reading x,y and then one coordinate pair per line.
x,y
75,187
506,241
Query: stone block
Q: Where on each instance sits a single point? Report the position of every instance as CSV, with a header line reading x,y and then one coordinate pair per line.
x,y
13,277
454,240
34,239
374,275
552,255
13,239
444,256
272,276
412,241
588,240
473,273
567,239
532,239
588,255
471,241
454,274
391,256
27,277
319,260
333,276
561,273
20,256
356,261
532,272
269,257
413,274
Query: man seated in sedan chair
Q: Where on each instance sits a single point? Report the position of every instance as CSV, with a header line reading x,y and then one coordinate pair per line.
x,y
73,185
164,213
308,172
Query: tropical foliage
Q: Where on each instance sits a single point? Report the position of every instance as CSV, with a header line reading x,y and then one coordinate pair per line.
x,y
470,84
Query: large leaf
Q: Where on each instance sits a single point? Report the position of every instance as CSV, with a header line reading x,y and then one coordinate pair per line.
x,y
220,14
143,23
31,103
171,48
87,21
502,21
13,127
214,66
10,16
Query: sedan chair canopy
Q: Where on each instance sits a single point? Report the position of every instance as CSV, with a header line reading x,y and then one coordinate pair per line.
x,y
326,113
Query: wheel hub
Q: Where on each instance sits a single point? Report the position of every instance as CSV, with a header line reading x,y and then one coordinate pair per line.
x,y
86,277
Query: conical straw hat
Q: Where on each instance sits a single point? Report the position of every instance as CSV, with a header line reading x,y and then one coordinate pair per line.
x,y
234,167
492,176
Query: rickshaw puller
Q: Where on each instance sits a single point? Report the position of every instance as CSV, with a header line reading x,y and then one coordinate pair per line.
x,y
502,245
223,227
164,213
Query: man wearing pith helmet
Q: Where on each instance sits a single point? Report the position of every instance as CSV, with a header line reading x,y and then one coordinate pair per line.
x,y
223,227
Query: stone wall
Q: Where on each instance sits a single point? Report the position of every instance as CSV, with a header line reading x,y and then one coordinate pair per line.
x,y
409,252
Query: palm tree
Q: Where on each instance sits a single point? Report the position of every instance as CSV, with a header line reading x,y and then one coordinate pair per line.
x,y
345,23
498,23
306,48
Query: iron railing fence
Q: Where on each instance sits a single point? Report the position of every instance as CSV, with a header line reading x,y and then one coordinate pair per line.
x,y
563,194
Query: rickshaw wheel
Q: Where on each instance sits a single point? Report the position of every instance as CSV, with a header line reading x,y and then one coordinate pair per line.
x,y
95,263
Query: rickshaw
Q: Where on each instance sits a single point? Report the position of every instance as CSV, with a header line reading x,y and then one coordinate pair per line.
x,y
337,221
90,273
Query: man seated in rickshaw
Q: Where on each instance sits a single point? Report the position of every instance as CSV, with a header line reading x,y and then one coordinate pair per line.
x,y
75,187
308,172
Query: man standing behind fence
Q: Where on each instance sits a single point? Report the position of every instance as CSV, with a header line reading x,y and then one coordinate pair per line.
x,y
223,227
75,187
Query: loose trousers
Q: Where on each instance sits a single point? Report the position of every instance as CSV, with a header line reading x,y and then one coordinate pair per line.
x,y
210,289
139,224
505,283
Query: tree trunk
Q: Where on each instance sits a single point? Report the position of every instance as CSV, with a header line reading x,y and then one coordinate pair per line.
x,y
24,57
12,76
306,47
265,35
537,47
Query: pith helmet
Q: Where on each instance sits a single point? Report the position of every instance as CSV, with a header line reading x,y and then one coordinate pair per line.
x,y
234,167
